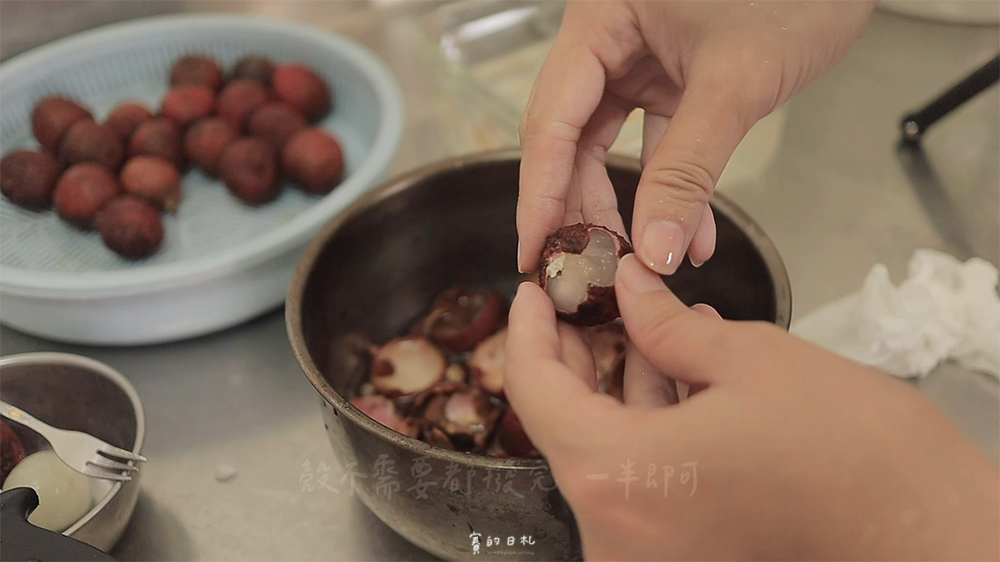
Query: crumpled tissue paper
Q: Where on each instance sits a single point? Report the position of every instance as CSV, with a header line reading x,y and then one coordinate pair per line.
x,y
945,309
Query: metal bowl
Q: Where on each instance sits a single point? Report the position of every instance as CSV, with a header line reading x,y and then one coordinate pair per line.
x,y
74,392
377,267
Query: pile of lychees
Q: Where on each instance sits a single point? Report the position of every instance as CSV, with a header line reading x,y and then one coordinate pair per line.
x,y
119,176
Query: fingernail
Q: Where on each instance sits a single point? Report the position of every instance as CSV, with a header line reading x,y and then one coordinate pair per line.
x,y
519,268
520,287
663,246
637,277
696,263
706,310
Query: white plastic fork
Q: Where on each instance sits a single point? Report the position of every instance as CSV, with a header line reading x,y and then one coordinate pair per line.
x,y
82,452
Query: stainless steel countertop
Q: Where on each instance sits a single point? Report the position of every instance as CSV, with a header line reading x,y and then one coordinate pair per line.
x,y
836,200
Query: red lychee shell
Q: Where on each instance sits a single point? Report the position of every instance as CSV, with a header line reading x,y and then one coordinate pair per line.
x,y
28,178
126,118
52,117
196,69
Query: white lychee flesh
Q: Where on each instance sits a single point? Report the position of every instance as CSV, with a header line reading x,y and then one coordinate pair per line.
x,y
487,362
407,365
569,275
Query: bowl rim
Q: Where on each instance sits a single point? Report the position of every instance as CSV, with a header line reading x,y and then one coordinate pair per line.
x,y
104,370
275,242
296,290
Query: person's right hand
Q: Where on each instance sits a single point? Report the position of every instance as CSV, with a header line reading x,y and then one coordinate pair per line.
x,y
799,454
709,69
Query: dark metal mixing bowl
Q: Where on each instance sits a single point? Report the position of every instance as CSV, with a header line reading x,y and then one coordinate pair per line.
x,y
377,267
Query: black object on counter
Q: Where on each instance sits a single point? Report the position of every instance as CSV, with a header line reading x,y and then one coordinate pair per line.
x,y
915,124
22,541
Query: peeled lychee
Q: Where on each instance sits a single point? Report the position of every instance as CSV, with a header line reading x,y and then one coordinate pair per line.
x,y
486,363
577,270
28,178
407,365
469,418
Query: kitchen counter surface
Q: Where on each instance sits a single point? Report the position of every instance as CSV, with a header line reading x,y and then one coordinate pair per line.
x,y
836,199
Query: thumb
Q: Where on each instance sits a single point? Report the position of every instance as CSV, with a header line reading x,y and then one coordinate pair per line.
x,y
679,342
680,176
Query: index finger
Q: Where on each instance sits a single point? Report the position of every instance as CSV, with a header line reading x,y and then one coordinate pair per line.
x,y
566,93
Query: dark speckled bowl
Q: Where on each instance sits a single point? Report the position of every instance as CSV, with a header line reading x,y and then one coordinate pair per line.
x,y
374,269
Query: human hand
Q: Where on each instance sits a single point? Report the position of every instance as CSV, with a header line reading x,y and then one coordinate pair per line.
x,y
709,69
799,453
